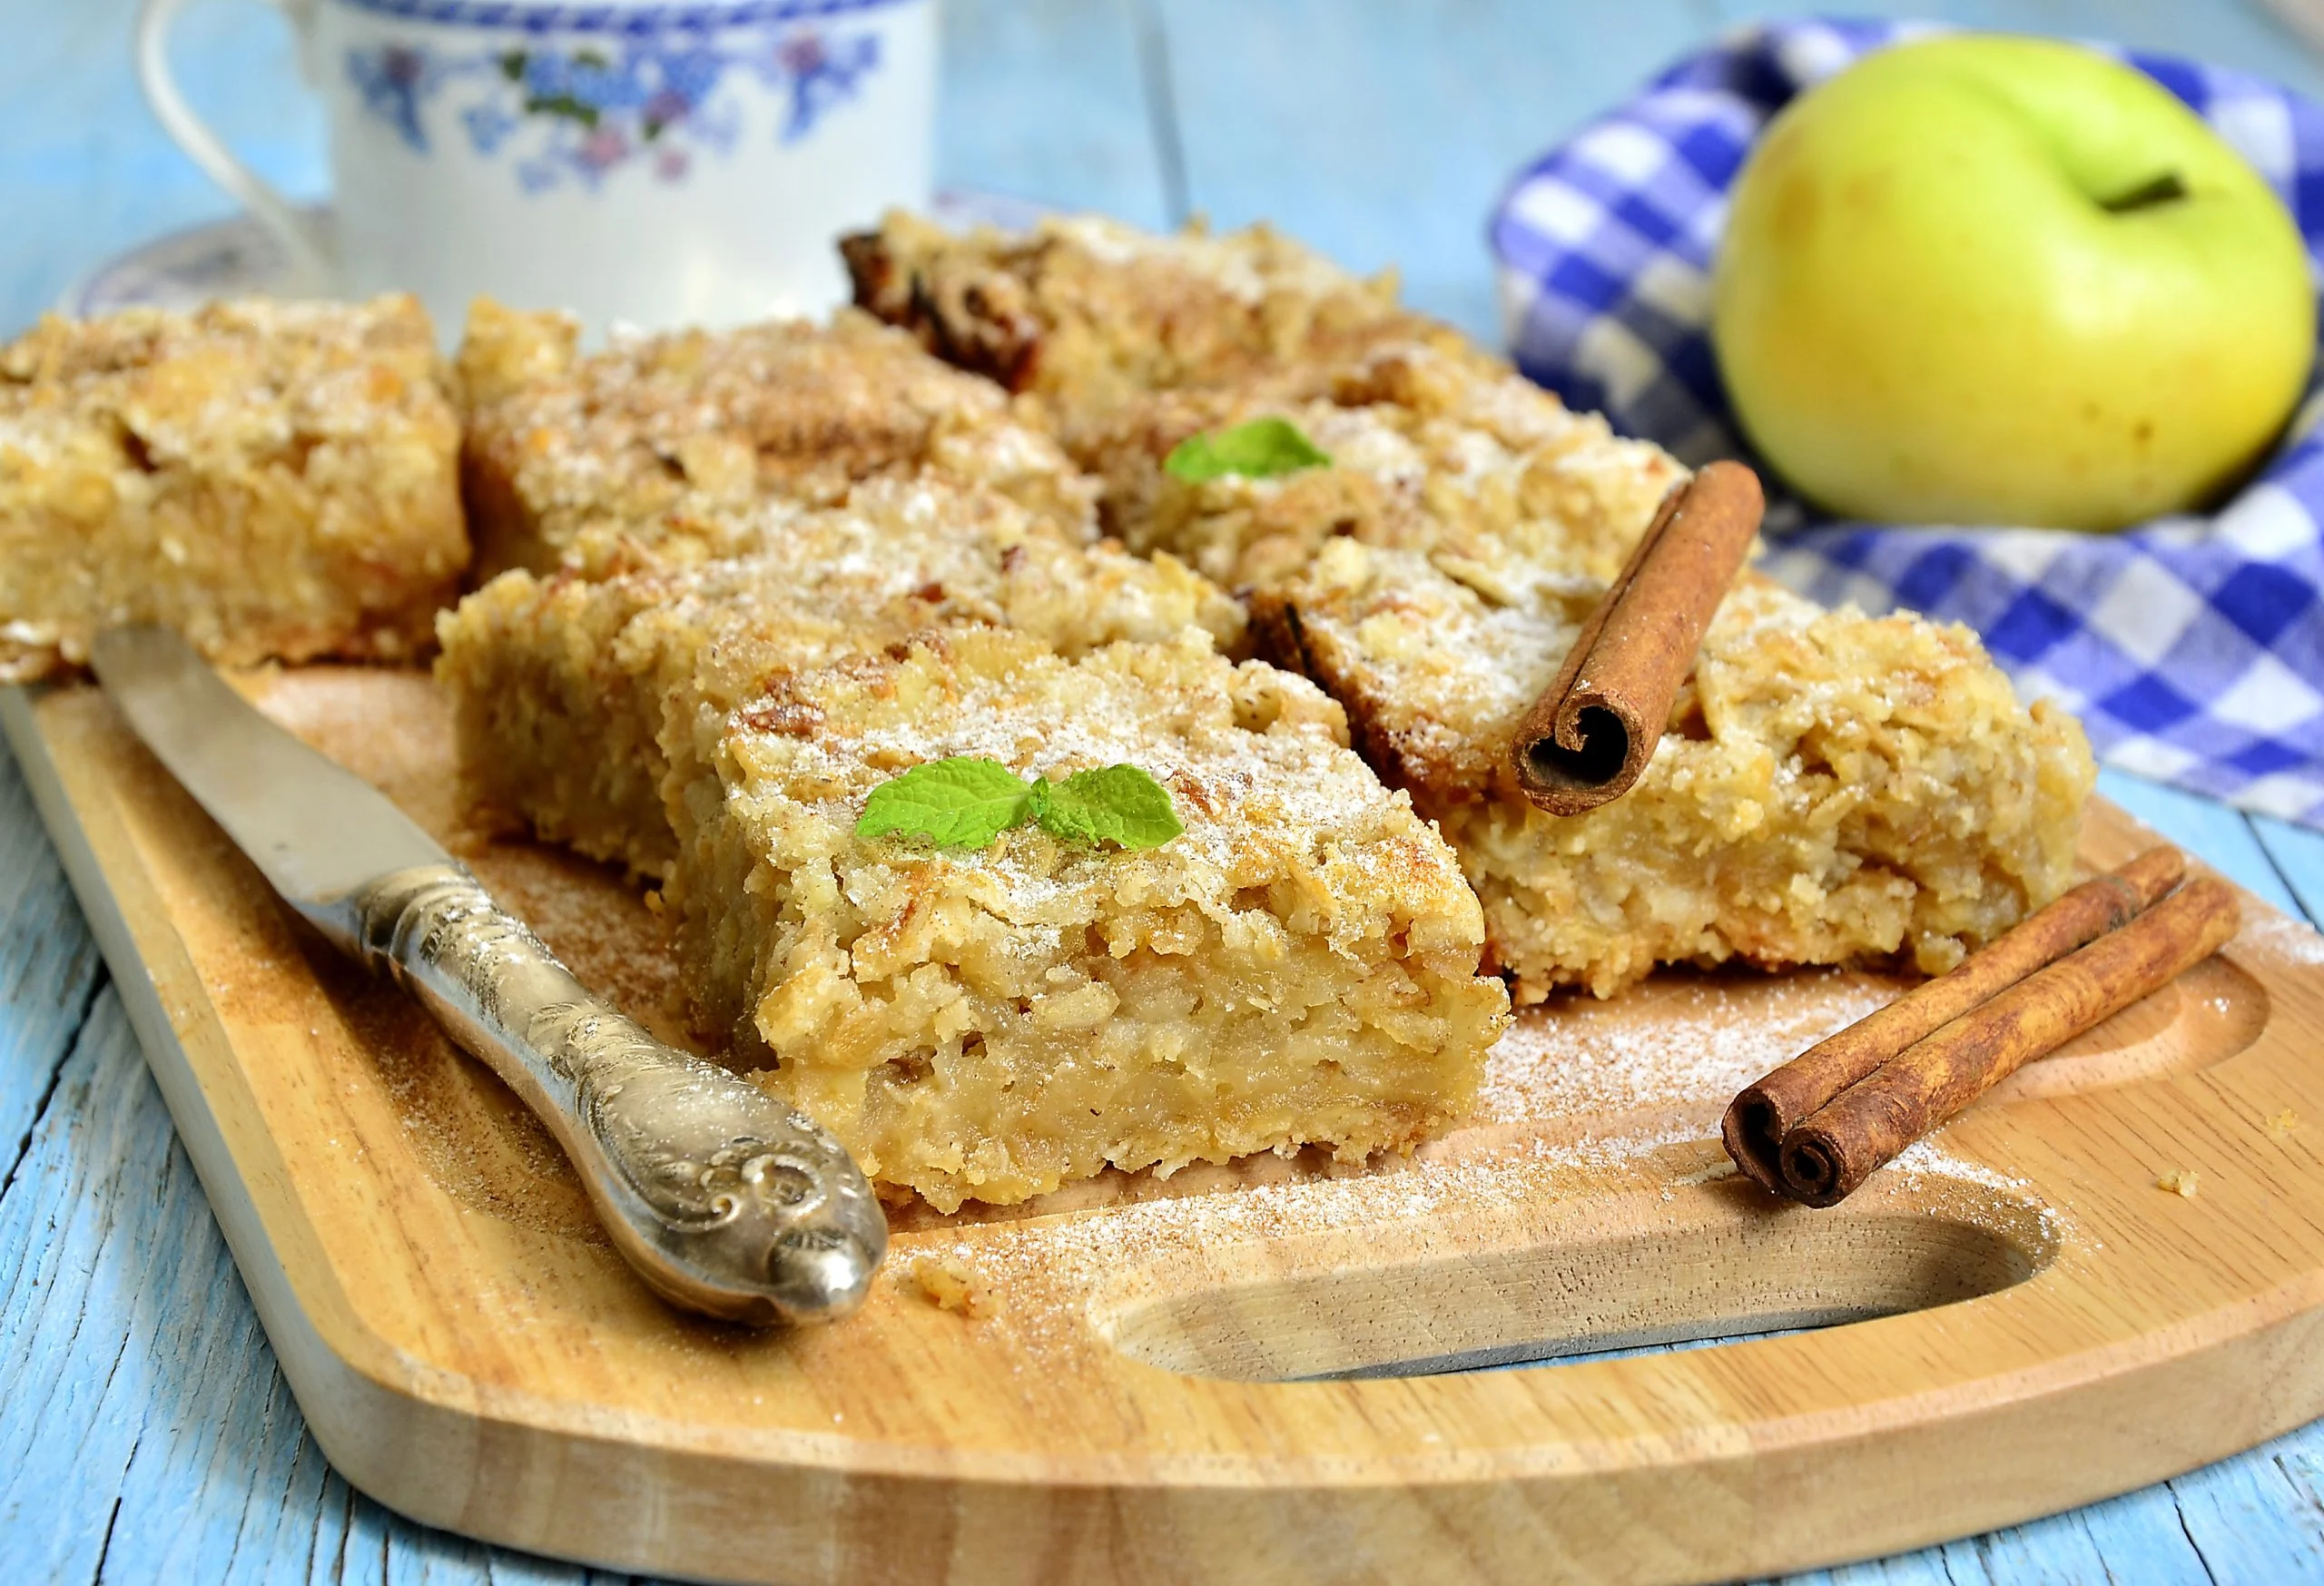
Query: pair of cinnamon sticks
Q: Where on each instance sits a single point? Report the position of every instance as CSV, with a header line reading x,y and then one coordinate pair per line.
x,y
1816,1127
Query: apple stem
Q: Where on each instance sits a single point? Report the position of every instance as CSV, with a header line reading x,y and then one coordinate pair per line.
x,y
2167,188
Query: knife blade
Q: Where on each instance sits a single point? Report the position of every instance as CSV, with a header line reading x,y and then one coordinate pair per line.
x,y
722,1198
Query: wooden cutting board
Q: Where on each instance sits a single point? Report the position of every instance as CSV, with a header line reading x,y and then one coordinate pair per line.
x,y
1195,1380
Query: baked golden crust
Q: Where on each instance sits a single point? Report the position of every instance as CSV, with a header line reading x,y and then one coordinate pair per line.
x,y
271,480
1297,968
696,425
1832,787
563,684
1472,463
1090,312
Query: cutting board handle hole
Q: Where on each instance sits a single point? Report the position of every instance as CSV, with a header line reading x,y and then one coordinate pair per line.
x,y
1725,1277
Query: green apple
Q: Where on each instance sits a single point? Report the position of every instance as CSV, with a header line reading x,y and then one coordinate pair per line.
x,y
1990,279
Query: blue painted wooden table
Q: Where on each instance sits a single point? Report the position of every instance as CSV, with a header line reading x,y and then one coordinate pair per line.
x,y
145,1434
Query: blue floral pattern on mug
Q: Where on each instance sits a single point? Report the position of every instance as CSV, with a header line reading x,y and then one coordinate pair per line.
x,y
575,114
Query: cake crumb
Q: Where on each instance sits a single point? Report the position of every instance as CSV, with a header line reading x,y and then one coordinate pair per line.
x,y
2179,1181
2284,1122
949,1284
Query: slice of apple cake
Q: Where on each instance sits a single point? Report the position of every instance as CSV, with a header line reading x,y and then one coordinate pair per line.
x,y
1298,966
691,426
1831,787
574,695
271,480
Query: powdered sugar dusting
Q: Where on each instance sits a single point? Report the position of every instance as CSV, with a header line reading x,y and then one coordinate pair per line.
x,y
697,425
1929,1156
2283,935
1176,711
1705,1037
240,380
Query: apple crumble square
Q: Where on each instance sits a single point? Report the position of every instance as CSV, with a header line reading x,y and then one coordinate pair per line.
x,y
1296,967
1090,312
562,684
694,424
271,480
1831,787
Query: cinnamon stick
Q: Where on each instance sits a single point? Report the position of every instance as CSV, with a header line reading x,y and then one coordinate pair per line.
x,y
1834,1150
1590,735
1758,1120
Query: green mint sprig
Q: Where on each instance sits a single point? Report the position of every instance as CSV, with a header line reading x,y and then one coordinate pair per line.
x,y
1265,449
966,802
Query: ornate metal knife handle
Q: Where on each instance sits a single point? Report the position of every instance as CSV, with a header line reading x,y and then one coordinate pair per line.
x,y
723,1198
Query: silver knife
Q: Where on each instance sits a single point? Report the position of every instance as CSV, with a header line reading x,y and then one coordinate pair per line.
x,y
723,1199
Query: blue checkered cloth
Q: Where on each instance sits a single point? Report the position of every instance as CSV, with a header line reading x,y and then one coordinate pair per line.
x,y
2192,648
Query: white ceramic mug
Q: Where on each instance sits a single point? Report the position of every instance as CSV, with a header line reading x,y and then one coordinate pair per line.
x,y
634,161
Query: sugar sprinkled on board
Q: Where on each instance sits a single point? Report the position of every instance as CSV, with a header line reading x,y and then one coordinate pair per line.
x,y
2280,933
1927,1156
1707,1037
1052,1271
1049,1272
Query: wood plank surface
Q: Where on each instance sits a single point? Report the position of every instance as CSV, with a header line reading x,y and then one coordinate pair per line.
x,y
49,970
85,171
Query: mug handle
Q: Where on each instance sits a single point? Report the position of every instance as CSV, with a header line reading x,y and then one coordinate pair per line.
x,y
299,235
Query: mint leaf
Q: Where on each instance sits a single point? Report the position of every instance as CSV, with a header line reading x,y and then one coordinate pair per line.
x,y
1119,804
966,803
960,802
1264,449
